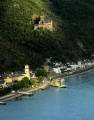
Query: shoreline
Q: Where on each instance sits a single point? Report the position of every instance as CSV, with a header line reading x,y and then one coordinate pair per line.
x,y
16,95
74,74
81,72
41,87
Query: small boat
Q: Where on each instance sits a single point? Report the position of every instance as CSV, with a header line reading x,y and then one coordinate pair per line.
x,y
62,84
2,103
56,84
26,93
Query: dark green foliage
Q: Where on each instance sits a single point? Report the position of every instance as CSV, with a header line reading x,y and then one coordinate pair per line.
x,y
5,91
41,72
33,82
40,79
24,83
20,45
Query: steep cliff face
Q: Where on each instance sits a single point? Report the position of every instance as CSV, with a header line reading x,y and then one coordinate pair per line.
x,y
72,38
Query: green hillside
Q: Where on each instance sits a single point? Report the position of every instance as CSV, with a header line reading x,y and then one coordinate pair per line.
x,y
72,38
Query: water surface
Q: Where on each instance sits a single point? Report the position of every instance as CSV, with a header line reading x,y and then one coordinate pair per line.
x,y
73,103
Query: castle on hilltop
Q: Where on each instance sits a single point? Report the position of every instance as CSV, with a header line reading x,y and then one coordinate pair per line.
x,y
44,24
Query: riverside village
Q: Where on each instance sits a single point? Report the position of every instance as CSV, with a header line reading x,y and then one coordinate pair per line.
x,y
26,82
15,84
46,59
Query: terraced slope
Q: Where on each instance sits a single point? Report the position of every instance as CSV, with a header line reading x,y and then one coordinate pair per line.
x,y
71,40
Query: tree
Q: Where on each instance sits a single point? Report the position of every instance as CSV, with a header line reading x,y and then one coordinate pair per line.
x,y
40,79
33,82
41,72
5,91
24,83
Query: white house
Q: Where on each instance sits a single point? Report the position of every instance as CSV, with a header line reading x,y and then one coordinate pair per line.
x,y
74,67
57,70
79,64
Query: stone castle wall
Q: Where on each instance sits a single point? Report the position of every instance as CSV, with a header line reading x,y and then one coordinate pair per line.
x,y
44,24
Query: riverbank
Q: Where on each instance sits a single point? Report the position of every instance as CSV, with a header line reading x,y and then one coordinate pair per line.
x,y
15,95
75,73
42,86
81,72
72,103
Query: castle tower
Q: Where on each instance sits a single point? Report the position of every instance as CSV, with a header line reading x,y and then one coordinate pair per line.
x,y
27,72
42,18
51,26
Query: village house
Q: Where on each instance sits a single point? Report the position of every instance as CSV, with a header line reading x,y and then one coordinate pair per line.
x,y
8,80
18,77
69,68
74,66
79,64
58,64
34,77
2,83
57,70
46,67
14,78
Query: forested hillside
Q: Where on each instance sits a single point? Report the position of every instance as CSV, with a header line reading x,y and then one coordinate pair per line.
x,y
72,38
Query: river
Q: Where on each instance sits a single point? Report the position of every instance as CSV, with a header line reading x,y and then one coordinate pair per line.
x,y
76,102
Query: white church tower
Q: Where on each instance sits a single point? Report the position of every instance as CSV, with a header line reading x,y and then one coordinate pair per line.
x,y
27,72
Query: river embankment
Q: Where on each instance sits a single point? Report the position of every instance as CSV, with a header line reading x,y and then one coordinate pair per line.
x,y
73,103
79,72
43,86
15,95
